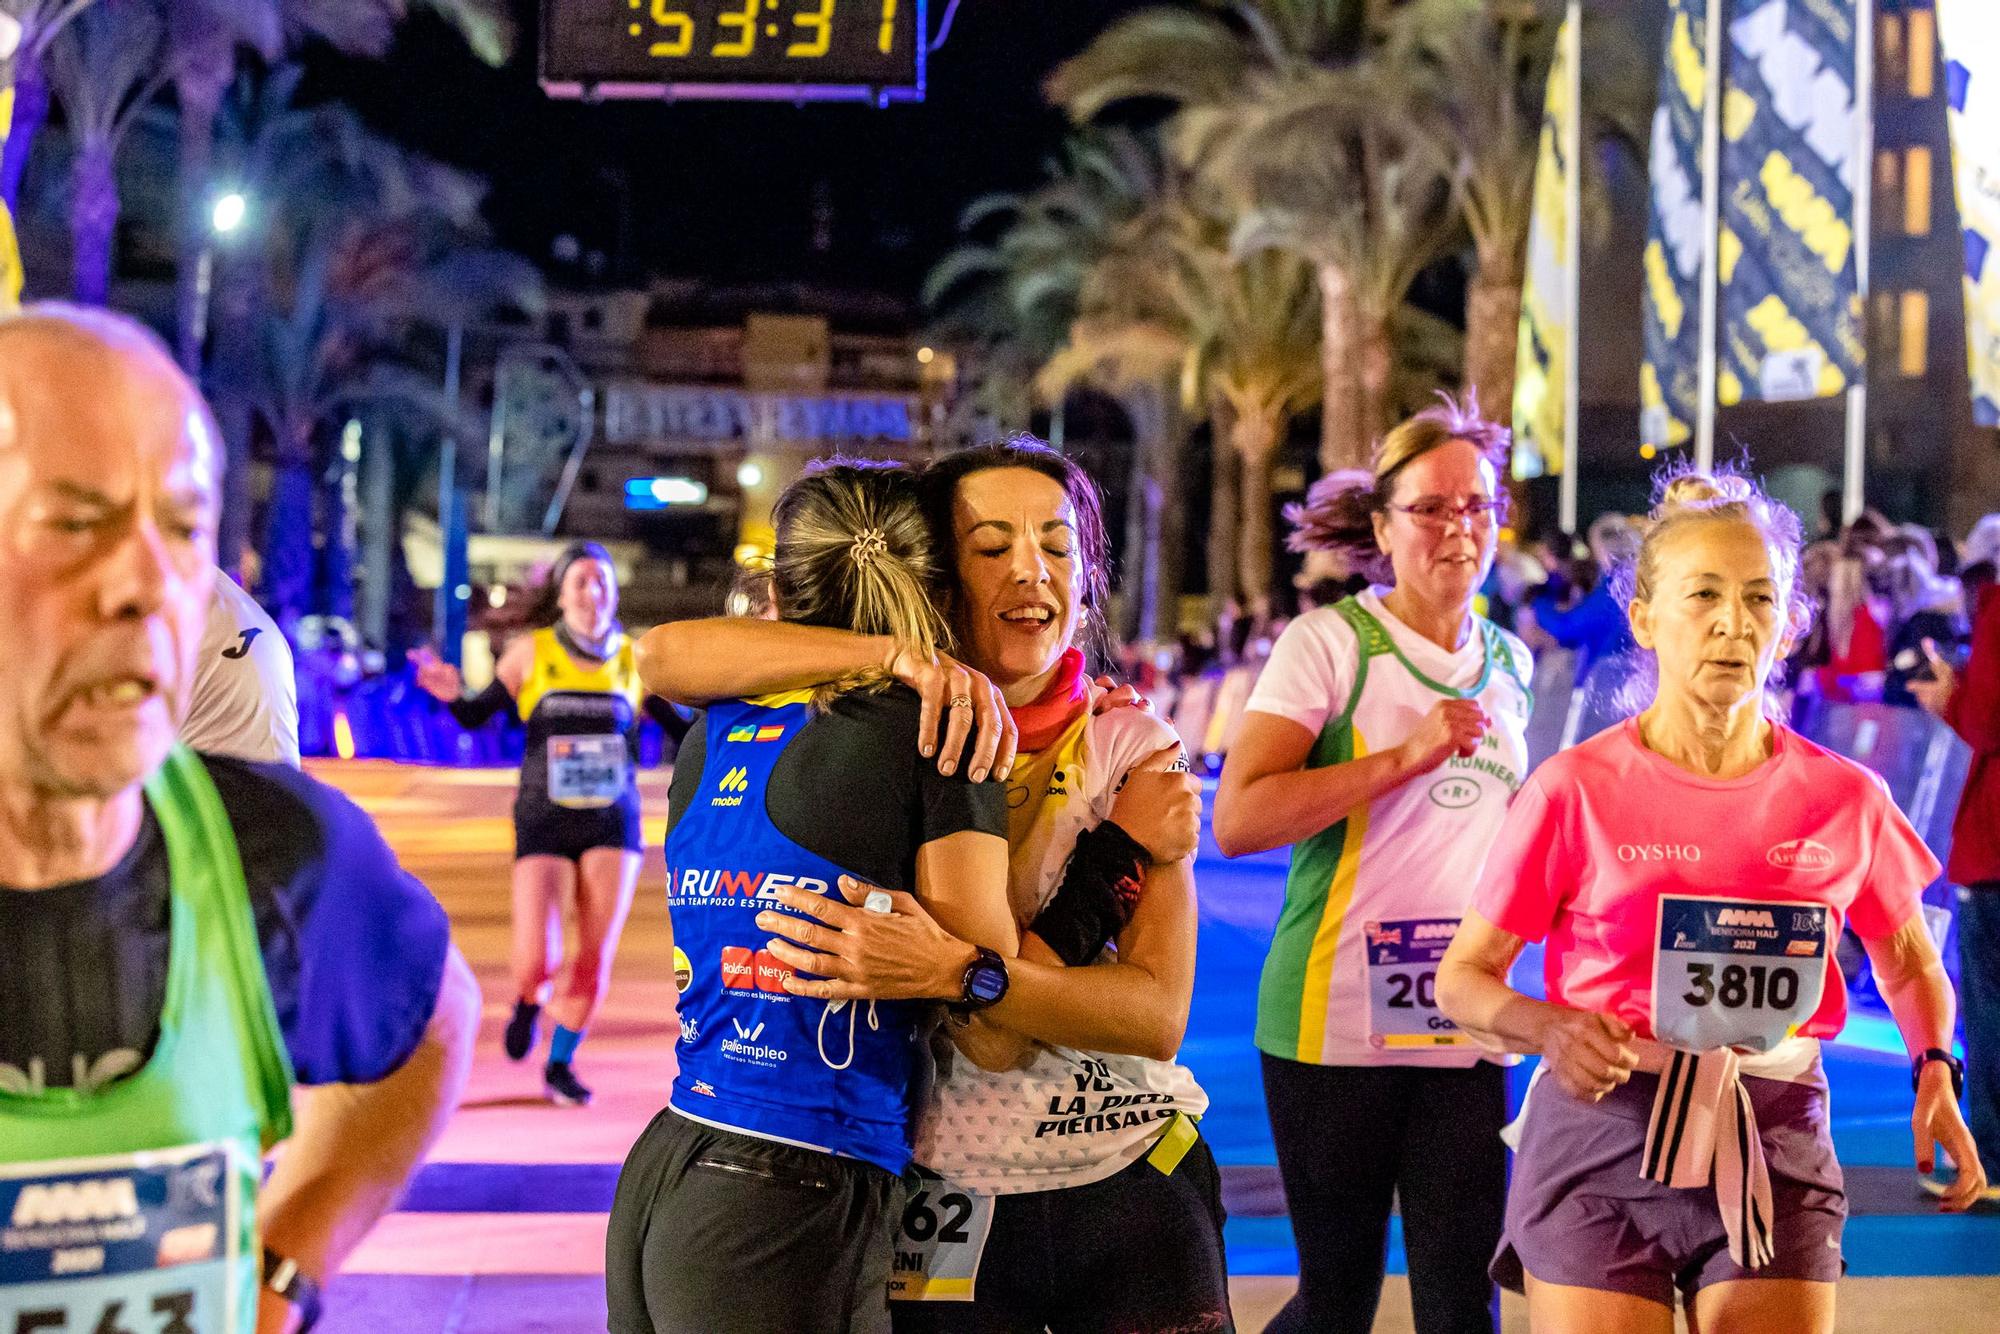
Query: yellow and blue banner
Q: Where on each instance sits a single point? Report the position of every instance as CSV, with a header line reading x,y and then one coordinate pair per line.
x,y
10,251
1669,379
1969,31
1791,323
1541,360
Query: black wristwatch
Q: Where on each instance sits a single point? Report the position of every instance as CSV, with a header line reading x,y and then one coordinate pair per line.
x,y
985,981
1952,1063
283,1276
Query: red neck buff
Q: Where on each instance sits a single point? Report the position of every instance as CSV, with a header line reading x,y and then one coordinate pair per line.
x,y
1044,718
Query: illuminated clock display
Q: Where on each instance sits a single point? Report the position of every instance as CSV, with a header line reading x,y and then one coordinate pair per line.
x,y
744,48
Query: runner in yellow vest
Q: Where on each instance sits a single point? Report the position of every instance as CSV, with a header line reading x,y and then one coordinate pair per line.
x,y
167,970
1383,742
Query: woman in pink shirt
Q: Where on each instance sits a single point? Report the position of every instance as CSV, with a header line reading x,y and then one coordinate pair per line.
x,y
1689,872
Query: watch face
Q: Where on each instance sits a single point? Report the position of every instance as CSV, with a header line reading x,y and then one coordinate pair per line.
x,y
988,983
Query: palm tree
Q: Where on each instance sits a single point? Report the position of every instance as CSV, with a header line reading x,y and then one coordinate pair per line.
x,y
205,36
23,74
1315,148
106,66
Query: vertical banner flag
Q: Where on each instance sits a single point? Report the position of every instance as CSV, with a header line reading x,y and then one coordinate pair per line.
x,y
1969,31
1669,379
1790,310
1541,359
10,254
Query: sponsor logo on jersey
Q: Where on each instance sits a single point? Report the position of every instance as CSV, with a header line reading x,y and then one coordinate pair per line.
x,y
1659,852
701,885
103,1200
1801,854
746,970
704,1088
748,1045
683,969
1455,793
751,732
690,1030
733,785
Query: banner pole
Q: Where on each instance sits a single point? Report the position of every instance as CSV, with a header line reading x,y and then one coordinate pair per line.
x,y
1854,470
1711,230
1573,259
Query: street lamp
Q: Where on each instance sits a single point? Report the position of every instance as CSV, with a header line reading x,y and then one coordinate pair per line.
x,y
230,210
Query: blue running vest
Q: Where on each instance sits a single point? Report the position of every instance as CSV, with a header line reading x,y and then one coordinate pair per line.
x,y
833,1076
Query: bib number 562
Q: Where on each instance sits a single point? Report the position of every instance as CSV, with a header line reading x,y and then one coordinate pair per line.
x,y
1736,985
921,1222
170,1310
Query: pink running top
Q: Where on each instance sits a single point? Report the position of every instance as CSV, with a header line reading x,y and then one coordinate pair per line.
x,y
1601,831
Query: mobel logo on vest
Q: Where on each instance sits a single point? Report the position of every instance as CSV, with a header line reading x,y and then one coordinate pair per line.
x,y
733,785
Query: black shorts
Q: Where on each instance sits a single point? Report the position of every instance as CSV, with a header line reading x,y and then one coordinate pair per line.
x,y
713,1232
543,829
1137,1251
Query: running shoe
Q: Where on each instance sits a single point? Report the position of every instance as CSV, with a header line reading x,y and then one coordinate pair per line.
x,y
523,1029
561,1086
1938,1185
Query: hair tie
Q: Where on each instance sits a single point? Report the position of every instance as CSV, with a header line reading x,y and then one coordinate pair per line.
x,y
868,544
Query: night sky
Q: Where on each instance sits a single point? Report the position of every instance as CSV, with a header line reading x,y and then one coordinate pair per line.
x,y
830,194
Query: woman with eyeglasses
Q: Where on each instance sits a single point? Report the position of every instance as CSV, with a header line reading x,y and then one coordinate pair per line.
x,y
1383,742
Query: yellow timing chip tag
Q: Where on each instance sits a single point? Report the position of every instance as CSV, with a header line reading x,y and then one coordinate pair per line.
x,y
1173,1146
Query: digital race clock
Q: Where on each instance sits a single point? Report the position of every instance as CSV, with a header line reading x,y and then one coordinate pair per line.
x,y
805,50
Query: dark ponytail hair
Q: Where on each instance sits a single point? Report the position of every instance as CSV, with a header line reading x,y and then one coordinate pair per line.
x,y
548,600
940,482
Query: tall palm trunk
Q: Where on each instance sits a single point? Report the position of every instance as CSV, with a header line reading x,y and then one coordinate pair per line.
x,y
1253,436
1223,512
1492,332
338,513
1142,517
288,531
199,86
31,108
1171,476
93,220
1347,419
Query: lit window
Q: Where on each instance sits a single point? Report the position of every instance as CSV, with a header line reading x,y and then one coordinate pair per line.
x,y
1916,320
1923,53
1889,49
1917,192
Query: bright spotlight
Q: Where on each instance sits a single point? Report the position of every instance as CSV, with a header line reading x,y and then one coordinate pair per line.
x,y
230,210
749,476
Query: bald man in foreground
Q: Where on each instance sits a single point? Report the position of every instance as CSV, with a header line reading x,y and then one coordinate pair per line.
x,y
182,938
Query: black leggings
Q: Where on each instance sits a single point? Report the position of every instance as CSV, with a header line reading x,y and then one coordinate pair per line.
x,y
1136,1253
1351,1139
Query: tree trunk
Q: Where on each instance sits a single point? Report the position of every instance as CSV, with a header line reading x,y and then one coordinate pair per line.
x,y
1254,436
1145,413
31,108
1492,336
1347,422
1377,348
1222,517
1171,475
339,510
93,221
378,526
288,538
233,351
232,530
200,87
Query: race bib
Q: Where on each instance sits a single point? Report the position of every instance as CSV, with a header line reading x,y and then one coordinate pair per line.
x,y
139,1243
586,772
939,1242
1403,959
1737,973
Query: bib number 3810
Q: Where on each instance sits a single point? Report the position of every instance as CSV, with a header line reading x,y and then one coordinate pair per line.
x,y
939,1241
1737,973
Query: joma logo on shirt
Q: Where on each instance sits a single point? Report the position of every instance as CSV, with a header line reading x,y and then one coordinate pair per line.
x,y
1658,852
1802,854
97,1201
1745,917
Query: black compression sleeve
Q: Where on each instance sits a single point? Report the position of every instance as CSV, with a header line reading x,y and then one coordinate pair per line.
x,y
669,716
474,712
1099,892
